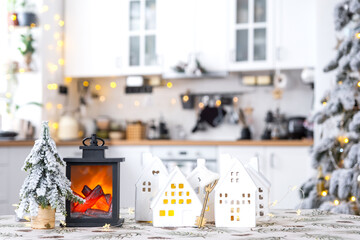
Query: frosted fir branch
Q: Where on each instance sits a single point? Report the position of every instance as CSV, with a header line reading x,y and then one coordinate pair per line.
x,y
354,125
341,183
342,15
342,208
354,6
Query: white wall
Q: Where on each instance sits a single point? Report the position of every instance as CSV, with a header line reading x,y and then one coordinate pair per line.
x,y
325,47
297,100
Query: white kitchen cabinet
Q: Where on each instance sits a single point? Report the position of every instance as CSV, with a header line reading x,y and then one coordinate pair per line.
x,y
130,170
93,37
188,27
140,38
251,34
11,176
295,33
287,167
282,36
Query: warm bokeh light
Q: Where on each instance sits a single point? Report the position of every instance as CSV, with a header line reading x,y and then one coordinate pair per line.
x,y
68,80
185,98
55,125
52,86
113,84
48,105
97,87
357,35
218,103
169,84
201,105
353,199
60,43
323,193
336,202
235,99
136,103
173,101
61,61
13,17
59,106
85,83
56,17
61,23
102,98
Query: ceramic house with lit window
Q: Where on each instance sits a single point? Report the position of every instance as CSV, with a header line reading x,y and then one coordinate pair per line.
x,y
235,198
177,204
148,185
263,190
199,178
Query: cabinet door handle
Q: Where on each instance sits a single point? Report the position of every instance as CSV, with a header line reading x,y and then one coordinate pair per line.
x,y
272,160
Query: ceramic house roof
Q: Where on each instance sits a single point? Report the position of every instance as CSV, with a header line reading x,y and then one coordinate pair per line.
x,y
203,173
258,177
175,172
156,163
237,164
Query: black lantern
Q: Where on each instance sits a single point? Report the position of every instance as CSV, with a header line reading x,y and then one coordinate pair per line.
x,y
96,179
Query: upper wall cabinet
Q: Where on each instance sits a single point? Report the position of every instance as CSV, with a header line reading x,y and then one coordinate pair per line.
x,y
197,27
93,40
295,33
141,40
271,34
251,34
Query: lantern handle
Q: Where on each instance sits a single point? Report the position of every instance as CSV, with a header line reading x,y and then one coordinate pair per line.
x,y
93,141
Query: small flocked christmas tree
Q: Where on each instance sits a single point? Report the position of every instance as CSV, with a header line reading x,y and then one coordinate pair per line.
x,y
336,156
45,184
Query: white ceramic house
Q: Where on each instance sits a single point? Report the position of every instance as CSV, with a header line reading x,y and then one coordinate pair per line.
x,y
262,193
235,198
151,180
176,204
198,179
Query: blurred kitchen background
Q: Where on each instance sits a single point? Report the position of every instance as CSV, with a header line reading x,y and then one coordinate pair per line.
x,y
180,79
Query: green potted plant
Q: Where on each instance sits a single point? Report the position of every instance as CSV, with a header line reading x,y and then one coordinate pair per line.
x,y
12,15
26,14
27,49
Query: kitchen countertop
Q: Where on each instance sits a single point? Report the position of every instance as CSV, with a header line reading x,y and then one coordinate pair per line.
x,y
299,143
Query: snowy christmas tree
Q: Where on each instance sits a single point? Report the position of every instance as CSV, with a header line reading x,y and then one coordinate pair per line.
x,y
45,184
336,156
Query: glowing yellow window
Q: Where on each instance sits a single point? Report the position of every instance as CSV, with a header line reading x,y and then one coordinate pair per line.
x,y
173,185
181,201
180,194
187,193
162,213
188,201
165,193
173,201
172,193
181,185
166,201
171,213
